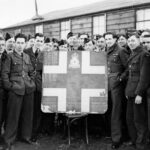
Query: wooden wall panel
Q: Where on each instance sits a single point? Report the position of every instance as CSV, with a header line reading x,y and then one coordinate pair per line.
x,y
30,29
52,30
120,21
82,25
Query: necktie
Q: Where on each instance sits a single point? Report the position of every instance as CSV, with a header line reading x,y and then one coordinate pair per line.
x,y
36,52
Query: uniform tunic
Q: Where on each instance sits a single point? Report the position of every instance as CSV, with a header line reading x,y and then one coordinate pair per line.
x,y
37,115
18,79
117,61
137,84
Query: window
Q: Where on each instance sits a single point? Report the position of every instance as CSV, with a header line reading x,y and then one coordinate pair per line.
x,y
143,19
39,29
65,29
99,25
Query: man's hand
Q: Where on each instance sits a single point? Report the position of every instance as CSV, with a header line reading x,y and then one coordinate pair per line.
x,y
138,99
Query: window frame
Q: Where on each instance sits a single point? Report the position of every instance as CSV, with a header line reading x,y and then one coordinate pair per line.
x,y
37,26
99,25
65,30
142,19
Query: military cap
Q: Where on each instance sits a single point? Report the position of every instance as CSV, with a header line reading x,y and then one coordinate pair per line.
x,y
47,40
70,34
54,40
62,42
135,32
8,36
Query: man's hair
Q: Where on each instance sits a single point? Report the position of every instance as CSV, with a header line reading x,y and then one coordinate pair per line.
x,y
20,35
87,40
30,37
98,36
39,34
122,35
135,34
111,33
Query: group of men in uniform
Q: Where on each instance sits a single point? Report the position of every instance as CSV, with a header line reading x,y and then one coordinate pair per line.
x,y
128,80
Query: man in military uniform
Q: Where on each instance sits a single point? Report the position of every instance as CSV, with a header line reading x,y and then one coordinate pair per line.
x,y
10,42
2,48
33,53
117,61
137,84
146,44
9,47
18,79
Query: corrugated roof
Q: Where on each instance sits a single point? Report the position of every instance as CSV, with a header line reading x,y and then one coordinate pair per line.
x,y
87,9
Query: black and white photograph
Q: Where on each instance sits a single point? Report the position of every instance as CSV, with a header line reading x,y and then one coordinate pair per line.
x,y
74,75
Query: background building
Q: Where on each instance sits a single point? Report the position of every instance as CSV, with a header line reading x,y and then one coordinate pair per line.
x,y
96,18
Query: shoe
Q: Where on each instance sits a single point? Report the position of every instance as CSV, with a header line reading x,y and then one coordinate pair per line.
x,y
28,141
34,139
5,147
115,145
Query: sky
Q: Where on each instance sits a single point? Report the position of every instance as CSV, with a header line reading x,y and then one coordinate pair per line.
x,y
15,11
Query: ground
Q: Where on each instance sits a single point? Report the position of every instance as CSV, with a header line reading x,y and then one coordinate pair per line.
x,y
56,142
58,139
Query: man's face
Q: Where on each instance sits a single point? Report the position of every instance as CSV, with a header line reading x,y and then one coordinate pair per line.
x,y
133,42
48,46
110,41
146,43
20,45
2,46
63,47
101,43
122,41
89,46
39,41
142,35
72,41
55,46
31,42
81,39
10,44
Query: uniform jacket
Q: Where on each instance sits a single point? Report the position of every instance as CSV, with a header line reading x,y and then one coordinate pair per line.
x,y
32,56
39,69
138,72
117,62
0,73
17,73
34,61
2,58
